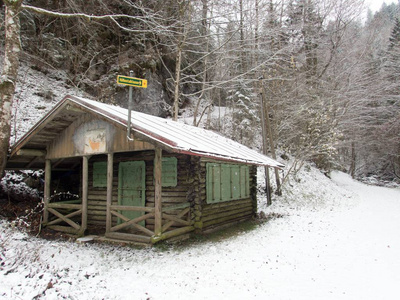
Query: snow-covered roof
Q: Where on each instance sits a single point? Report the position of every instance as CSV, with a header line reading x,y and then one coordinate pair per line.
x,y
172,136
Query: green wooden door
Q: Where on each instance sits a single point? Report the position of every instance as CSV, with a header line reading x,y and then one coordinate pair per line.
x,y
131,186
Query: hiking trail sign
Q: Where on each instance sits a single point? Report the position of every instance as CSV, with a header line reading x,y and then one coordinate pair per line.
x,y
132,81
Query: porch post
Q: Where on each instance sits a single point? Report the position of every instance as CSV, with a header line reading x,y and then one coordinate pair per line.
x,y
47,190
110,171
157,192
85,175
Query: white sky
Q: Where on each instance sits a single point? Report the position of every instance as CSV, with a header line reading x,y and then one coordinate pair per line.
x,y
375,5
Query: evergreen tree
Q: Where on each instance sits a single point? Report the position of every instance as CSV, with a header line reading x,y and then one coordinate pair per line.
x,y
394,39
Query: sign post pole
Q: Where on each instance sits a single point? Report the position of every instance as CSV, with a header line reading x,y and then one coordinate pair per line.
x,y
130,108
131,81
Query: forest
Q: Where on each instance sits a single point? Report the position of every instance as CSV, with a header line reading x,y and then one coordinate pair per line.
x,y
322,76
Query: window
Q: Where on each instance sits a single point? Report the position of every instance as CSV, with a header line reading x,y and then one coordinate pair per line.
x,y
227,182
100,174
169,177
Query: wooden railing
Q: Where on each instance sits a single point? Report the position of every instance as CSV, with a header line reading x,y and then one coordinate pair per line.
x,y
175,219
126,222
64,212
144,234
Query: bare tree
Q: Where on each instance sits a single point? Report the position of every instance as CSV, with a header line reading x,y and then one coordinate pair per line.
x,y
9,74
12,52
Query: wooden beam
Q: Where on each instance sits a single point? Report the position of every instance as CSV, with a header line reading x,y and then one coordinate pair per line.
x,y
128,237
47,190
129,222
74,108
55,165
75,165
110,172
157,191
65,219
61,205
65,229
132,208
175,207
172,233
31,152
174,219
69,216
85,189
32,162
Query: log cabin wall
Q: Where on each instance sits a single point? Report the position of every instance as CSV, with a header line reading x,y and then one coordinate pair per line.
x,y
213,216
172,195
97,197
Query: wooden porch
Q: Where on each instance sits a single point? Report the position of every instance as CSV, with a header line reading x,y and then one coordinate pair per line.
x,y
72,216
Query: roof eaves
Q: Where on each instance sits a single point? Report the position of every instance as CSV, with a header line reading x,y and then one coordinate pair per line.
x,y
38,126
233,159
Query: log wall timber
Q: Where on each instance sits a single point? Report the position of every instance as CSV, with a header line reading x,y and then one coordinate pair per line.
x,y
157,167
194,194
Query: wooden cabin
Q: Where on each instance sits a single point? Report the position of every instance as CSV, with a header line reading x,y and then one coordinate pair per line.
x,y
164,181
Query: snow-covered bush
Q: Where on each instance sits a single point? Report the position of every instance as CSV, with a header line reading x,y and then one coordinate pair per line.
x,y
22,186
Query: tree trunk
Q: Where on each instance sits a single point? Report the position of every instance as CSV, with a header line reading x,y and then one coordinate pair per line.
x,y
265,147
177,82
353,160
181,42
270,137
9,75
242,41
204,35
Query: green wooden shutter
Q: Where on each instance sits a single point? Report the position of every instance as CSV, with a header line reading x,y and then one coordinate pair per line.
x,y
217,196
244,182
213,185
227,182
235,180
210,183
169,172
100,174
226,193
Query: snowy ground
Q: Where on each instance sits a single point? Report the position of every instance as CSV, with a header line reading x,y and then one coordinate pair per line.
x,y
338,240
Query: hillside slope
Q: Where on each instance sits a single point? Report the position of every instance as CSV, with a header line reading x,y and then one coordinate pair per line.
x,y
38,90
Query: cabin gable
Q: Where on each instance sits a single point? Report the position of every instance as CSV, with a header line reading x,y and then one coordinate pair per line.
x,y
91,135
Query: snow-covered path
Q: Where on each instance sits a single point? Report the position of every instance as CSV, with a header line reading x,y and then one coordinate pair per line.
x,y
369,236
344,247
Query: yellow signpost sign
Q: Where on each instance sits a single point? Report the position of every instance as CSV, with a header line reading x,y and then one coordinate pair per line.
x,y
132,81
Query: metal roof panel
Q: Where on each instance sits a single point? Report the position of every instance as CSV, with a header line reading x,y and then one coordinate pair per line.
x,y
182,137
175,136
